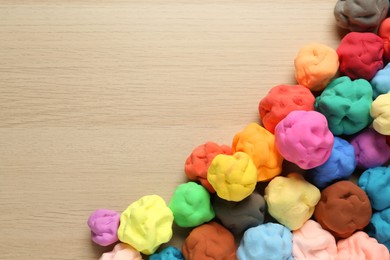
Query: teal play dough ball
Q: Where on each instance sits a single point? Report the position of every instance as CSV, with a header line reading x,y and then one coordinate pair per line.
x,y
376,182
168,253
379,227
346,105
190,205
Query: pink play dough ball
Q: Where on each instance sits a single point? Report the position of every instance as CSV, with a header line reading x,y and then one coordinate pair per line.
x,y
303,137
122,251
360,246
312,242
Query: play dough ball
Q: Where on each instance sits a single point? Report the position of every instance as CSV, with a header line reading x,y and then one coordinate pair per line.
x,y
311,242
346,105
380,227
340,165
315,65
360,246
384,33
233,177
371,148
104,226
146,224
168,253
122,251
259,144
209,241
281,100
360,15
198,162
381,82
291,200
266,242
376,182
380,111
303,138
239,216
360,55
190,205
343,209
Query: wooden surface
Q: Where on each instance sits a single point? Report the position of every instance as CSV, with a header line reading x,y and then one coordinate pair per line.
x,y
102,101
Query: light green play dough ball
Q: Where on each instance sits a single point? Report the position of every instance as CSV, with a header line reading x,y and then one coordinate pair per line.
x,y
191,205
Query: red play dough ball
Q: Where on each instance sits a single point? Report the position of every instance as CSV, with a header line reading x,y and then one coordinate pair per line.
x,y
384,33
360,55
281,100
198,162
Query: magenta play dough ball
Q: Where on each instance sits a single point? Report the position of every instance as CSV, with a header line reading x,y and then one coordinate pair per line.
x,y
303,138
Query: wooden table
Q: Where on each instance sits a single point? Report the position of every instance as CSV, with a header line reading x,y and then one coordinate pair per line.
x,y
102,101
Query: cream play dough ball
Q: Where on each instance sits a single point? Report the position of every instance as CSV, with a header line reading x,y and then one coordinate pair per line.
x,y
291,200
380,111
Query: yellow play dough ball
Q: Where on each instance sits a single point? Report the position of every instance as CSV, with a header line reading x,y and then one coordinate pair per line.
x,y
291,200
380,111
146,224
233,177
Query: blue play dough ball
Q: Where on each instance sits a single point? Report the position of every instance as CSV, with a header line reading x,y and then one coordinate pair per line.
x,y
267,242
339,166
379,227
381,82
168,253
376,183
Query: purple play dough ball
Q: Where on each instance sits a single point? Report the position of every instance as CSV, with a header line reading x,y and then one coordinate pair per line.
x,y
104,225
371,149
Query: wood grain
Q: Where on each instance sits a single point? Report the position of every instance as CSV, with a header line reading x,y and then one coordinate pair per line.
x,y
102,101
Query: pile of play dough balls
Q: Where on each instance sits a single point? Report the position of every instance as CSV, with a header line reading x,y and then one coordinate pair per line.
x,y
332,127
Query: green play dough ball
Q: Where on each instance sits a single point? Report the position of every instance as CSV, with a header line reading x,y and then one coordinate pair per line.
x,y
191,205
346,105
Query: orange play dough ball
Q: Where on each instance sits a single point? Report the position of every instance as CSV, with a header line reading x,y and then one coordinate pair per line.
x,y
259,144
315,65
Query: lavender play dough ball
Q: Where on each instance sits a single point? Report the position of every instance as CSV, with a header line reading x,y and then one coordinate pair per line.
x,y
239,216
340,165
104,225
